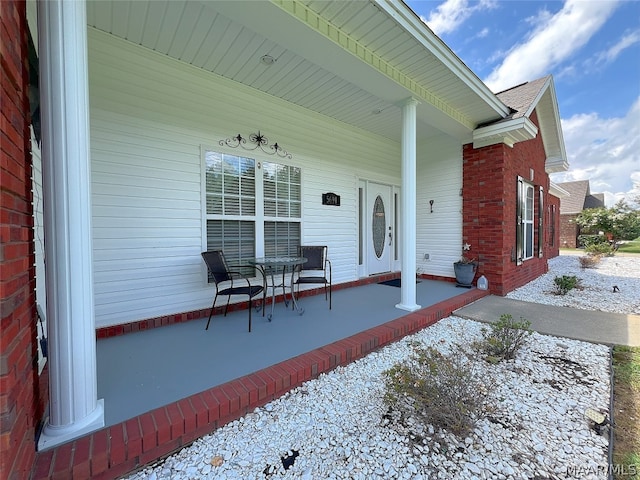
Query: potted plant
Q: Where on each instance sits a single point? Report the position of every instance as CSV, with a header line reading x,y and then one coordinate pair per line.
x,y
465,270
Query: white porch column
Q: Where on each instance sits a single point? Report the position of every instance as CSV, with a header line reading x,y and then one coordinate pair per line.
x,y
64,104
408,207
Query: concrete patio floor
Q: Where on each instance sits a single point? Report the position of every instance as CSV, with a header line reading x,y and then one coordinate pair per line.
x,y
141,371
165,387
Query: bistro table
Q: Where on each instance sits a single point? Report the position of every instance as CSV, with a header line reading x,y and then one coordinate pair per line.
x,y
270,266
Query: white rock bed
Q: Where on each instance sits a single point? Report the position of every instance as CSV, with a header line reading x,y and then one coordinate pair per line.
x,y
597,284
335,422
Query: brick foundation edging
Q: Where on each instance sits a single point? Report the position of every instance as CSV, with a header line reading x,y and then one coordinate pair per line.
x,y
114,451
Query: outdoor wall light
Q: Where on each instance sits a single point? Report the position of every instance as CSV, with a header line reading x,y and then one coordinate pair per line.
x,y
431,205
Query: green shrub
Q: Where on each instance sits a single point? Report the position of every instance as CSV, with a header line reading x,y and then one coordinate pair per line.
x,y
438,390
565,283
505,337
600,249
589,240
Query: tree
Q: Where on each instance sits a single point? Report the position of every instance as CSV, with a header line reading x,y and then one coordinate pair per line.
x,y
620,221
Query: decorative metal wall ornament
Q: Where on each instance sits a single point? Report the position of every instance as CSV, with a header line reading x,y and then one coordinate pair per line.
x,y
256,140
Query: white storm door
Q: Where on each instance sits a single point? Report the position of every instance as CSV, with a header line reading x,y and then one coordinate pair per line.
x,y
380,234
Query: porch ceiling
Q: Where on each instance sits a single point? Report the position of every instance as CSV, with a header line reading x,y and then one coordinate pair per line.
x,y
315,44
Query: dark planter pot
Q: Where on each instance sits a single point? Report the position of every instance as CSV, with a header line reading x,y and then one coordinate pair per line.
x,y
465,273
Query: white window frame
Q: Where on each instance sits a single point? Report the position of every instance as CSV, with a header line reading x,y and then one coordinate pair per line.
x,y
259,218
525,227
540,221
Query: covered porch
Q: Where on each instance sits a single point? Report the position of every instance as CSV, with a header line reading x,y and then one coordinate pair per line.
x,y
165,387
141,169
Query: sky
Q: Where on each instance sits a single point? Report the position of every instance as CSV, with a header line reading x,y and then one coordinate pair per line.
x,y
592,49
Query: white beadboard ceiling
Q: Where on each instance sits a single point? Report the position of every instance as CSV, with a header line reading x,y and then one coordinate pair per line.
x,y
229,38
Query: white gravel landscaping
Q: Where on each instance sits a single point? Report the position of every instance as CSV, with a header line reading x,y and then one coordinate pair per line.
x,y
597,283
334,427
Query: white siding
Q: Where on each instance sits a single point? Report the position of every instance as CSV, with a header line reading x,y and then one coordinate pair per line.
x,y
149,117
439,177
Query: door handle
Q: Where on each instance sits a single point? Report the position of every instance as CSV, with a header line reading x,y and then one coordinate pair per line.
x,y
390,238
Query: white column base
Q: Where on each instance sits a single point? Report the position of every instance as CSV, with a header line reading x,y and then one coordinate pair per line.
x,y
54,436
408,308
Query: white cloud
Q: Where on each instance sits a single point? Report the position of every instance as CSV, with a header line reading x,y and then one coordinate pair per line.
x,y
483,33
605,151
628,40
452,13
553,39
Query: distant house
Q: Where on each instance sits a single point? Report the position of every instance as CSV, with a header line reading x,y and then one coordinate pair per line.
x,y
171,128
580,198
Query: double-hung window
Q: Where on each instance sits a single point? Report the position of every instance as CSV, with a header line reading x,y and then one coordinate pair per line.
x,y
252,208
524,224
282,209
230,198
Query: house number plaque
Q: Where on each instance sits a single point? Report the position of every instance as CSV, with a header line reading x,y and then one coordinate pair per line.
x,y
331,198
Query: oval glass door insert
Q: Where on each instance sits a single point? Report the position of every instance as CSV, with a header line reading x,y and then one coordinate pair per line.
x,y
378,226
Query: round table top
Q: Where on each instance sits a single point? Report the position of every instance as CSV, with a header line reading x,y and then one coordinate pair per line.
x,y
278,261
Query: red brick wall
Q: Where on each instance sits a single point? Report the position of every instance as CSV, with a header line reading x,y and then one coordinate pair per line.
x,y
568,231
20,408
489,209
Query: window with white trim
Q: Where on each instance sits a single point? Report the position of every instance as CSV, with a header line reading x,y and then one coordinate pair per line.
x,y
252,208
524,224
540,221
552,225
282,209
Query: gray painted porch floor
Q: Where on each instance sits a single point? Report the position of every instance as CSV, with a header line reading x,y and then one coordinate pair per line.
x,y
141,371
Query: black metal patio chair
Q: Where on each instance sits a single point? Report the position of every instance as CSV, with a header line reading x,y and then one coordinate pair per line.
x,y
229,282
316,270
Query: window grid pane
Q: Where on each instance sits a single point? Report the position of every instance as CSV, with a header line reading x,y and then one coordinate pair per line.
x,y
282,190
236,238
281,238
528,240
527,224
230,184
529,204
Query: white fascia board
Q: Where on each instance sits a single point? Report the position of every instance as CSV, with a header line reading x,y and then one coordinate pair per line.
x,y
409,20
556,114
509,133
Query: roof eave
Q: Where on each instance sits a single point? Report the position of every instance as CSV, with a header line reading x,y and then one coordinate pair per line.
x,y
556,160
556,165
410,21
508,132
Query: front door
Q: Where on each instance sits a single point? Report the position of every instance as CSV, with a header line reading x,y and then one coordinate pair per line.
x,y
380,234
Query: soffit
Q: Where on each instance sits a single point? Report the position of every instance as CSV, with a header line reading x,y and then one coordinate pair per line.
x,y
312,70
